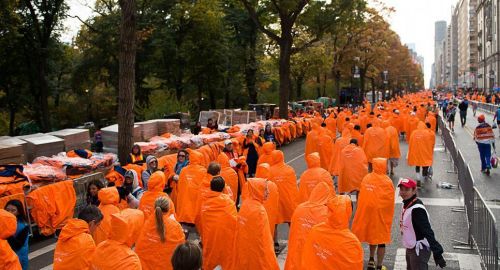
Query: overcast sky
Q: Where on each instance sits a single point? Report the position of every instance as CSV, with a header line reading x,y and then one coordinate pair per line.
x,y
413,20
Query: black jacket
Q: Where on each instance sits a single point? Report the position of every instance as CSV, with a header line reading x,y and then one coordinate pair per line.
x,y
422,226
463,106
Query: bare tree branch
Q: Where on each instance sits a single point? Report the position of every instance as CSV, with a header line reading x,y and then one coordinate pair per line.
x,y
257,22
85,23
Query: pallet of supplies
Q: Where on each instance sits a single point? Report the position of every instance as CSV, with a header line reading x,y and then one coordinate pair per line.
x,y
42,145
73,138
205,115
110,136
12,150
149,129
172,126
244,117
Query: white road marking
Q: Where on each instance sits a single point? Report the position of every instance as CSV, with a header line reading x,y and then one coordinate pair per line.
x,y
48,267
41,251
294,159
465,261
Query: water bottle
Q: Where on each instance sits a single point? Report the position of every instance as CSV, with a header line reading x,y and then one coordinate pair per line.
x,y
444,185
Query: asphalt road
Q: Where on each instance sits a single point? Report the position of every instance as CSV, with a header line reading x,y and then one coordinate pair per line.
x,y
448,224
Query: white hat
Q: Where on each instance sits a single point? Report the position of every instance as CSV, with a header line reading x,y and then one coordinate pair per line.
x,y
396,111
226,142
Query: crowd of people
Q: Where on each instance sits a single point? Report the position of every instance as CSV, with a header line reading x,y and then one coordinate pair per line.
x,y
232,207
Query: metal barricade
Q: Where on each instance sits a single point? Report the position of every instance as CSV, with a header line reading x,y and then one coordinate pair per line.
x,y
482,231
485,233
81,185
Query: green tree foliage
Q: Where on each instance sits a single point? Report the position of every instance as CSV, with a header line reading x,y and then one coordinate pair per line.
x,y
191,55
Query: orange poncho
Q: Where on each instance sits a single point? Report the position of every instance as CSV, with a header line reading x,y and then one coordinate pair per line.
x,y
218,229
421,148
307,215
109,199
340,143
331,245
153,253
266,154
114,253
254,243
75,246
353,167
331,123
374,214
375,143
411,125
325,148
311,139
272,202
284,177
135,221
155,190
312,177
8,257
188,188
393,137
230,176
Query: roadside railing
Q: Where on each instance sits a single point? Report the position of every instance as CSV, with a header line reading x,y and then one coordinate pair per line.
x,y
482,230
486,107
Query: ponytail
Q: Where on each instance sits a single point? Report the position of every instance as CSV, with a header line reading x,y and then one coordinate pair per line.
x,y
162,205
160,226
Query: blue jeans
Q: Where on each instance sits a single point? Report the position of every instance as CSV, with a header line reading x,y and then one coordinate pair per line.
x,y
485,155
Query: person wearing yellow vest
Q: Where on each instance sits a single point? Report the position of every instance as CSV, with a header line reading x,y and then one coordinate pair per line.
x,y
136,156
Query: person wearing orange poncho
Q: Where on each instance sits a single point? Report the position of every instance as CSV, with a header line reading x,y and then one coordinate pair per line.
x,y
272,202
218,219
325,147
340,143
115,253
229,175
8,258
331,245
188,188
75,246
353,166
397,121
253,241
109,199
311,139
331,123
421,150
156,184
159,237
411,125
312,177
284,177
375,143
356,134
266,156
308,214
394,151
374,213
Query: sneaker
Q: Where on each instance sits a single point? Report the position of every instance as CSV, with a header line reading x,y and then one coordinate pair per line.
x,y
487,172
371,265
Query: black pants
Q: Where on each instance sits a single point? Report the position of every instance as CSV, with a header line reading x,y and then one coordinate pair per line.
x,y
463,117
425,170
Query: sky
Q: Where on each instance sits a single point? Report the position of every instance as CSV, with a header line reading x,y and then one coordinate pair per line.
x,y
413,20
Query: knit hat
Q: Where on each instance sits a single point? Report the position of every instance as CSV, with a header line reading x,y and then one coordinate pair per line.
x,y
481,118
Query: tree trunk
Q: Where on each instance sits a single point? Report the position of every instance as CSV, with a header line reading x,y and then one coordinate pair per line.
x,y
211,97
299,83
336,76
12,118
128,48
44,93
318,85
325,79
284,73
251,71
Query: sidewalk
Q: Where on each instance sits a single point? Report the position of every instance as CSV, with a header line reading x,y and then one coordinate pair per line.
x,y
488,186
